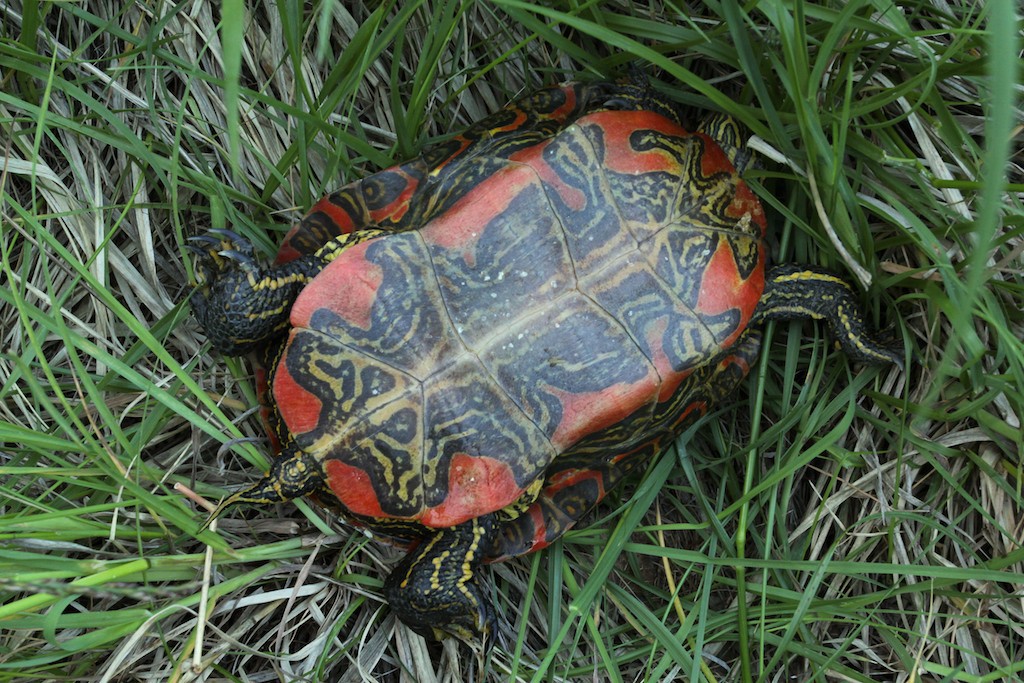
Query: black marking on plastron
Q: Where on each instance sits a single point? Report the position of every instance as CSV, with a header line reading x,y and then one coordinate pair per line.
x,y
409,328
680,257
386,454
701,197
443,189
594,231
518,262
344,382
643,303
577,349
466,413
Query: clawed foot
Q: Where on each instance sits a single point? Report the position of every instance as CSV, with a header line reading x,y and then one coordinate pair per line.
x,y
218,251
239,304
437,590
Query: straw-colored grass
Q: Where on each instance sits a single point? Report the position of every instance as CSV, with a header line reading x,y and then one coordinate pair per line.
x,y
835,523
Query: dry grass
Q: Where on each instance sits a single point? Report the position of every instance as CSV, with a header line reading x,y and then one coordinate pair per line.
x,y
841,524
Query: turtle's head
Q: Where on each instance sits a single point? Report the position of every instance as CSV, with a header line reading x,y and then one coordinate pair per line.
x,y
293,474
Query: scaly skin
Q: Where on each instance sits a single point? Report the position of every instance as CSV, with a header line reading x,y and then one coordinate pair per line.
x,y
436,590
794,291
239,304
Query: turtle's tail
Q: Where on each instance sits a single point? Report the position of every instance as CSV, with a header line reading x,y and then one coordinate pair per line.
x,y
731,136
293,474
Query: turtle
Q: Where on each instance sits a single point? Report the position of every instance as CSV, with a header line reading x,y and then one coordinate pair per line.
x,y
466,351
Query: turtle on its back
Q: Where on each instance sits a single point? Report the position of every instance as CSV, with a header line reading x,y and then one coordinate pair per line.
x,y
467,350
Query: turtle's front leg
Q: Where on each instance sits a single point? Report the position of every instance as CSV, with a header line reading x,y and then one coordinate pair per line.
x,y
435,589
241,304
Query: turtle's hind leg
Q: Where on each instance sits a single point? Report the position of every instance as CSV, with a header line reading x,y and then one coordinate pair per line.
x,y
436,589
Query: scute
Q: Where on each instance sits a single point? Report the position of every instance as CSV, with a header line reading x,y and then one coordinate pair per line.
x,y
498,253
471,420
388,447
572,369
670,334
381,298
324,390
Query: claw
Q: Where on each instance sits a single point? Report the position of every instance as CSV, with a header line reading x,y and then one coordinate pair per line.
x,y
220,243
205,238
228,235
218,251
236,255
203,245
243,259
209,246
